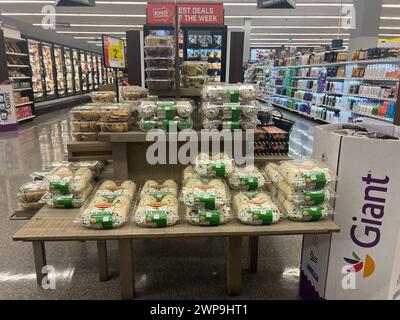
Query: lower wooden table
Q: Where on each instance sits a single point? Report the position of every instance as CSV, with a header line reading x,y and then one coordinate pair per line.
x,y
58,225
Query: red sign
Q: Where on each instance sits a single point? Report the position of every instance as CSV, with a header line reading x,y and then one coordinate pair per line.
x,y
189,13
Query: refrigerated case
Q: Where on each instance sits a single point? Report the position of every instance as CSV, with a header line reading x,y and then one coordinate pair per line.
x,y
84,71
207,44
100,68
60,71
48,66
38,82
77,74
90,70
69,73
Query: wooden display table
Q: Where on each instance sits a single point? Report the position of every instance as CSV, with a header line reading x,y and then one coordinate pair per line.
x,y
57,225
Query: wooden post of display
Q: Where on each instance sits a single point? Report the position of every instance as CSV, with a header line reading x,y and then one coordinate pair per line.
x,y
236,57
116,84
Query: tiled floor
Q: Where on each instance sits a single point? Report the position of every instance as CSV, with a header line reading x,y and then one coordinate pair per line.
x,y
167,269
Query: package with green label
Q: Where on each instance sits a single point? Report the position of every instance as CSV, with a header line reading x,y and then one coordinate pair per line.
x,y
166,110
219,165
159,189
208,217
220,93
306,174
67,200
66,180
248,178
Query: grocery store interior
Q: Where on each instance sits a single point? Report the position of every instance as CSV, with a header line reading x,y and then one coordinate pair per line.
x,y
308,88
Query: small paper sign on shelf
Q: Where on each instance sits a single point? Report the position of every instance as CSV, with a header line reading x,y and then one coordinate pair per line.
x,y
114,52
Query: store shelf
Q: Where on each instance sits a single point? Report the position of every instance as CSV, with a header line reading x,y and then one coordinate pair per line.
x,y
362,79
17,54
389,120
311,78
23,104
22,89
26,118
305,101
19,78
299,112
294,88
17,66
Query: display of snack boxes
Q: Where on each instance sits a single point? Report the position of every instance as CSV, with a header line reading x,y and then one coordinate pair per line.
x,y
157,205
271,140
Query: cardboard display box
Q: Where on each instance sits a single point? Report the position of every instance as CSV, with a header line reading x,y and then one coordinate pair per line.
x,y
363,260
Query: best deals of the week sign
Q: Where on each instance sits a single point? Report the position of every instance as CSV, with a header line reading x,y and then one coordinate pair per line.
x,y
189,13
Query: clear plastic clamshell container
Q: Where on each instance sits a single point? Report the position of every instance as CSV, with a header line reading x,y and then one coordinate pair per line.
x,y
248,178
221,93
208,217
206,165
306,174
156,73
165,124
212,124
32,191
194,81
159,51
229,111
134,93
153,40
66,180
85,126
103,96
153,213
159,189
67,201
165,109
85,136
110,205
205,194
85,113
272,172
115,113
160,84
115,126
159,62
255,208
194,68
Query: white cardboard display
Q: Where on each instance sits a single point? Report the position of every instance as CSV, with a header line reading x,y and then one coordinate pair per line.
x,y
367,212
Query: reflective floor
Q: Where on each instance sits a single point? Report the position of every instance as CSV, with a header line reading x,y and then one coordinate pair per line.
x,y
167,269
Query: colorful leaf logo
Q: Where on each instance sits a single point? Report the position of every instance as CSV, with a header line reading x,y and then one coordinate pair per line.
x,y
357,265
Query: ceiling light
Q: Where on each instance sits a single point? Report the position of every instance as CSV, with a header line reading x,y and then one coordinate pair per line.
x,y
300,39
295,27
299,34
23,1
389,35
122,2
73,14
95,25
283,17
91,32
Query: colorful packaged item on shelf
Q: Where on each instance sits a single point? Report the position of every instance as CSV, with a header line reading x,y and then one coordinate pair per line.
x,y
219,165
103,96
255,209
272,171
30,193
221,93
248,178
109,207
229,111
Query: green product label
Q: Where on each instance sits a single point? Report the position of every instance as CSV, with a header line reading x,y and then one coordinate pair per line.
x,y
315,180
184,124
110,195
169,125
231,111
312,214
232,94
314,197
248,182
147,125
232,125
216,169
204,199
102,217
60,184
156,217
209,218
159,193
64,201
167,110
261,214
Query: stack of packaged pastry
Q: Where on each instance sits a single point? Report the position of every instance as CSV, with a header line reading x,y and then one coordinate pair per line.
x,y
115,117
109,207
157,205
103,96
229,106
194,74
84,122
301,189
167,114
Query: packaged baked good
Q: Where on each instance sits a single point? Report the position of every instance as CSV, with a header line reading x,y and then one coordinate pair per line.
x,y
154,213
212,124
159,189
32,191
94,165
219,165
85,136
109,207
208,217
256,209
160,84
134,93
248,178
194,68
85,126
221,93
122,126
272,171
147,125
159,62
115,113
64,180
175,124
248,123
67,201
159,51
194,81
153,40
31,205
306,174
85,113
156,73
103,96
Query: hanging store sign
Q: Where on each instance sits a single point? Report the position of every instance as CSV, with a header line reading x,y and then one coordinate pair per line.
x,y
276,4
189,13
113,52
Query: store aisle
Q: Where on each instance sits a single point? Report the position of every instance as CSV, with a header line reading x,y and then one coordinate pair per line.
x,y
167,269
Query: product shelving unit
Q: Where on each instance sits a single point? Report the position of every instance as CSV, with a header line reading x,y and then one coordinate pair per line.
x,y
346,97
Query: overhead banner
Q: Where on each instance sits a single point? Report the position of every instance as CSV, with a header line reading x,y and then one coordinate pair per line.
x,y
113,52
276,4
189,13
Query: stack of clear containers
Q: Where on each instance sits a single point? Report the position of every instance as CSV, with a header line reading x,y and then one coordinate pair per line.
x,y
115,117
167,114
301,189
84,122
160,60
194,74
229,106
